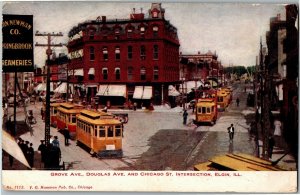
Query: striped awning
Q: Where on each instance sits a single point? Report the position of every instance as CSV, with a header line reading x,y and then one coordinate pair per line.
x,y
78,72
91,71
112,90
142,92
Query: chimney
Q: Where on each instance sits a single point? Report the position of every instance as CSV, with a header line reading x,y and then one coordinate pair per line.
x,y
103,18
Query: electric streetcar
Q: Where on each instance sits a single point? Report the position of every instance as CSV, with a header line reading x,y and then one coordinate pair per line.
x,y
66,117
99,132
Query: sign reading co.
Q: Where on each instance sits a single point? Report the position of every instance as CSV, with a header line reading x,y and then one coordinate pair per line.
x,y
17,45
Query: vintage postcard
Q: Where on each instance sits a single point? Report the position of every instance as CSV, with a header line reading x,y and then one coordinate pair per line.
x,y
150,97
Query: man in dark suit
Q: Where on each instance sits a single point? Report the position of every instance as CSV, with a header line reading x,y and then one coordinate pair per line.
x,y
231,132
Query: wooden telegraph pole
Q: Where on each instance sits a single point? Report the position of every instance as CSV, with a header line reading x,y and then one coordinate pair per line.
x,y
48,52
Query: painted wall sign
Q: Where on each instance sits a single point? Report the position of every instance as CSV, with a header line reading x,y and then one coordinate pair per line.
x,y
17,47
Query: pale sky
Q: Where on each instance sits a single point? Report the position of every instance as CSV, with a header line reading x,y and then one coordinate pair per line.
x,y
233,30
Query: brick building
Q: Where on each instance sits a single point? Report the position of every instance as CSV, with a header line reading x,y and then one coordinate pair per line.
x,y
119,60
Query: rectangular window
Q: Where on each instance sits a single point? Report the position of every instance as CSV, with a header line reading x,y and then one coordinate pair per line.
x,y
155,52
105,54
143,52
92,53
95,131
73,118
118,130
203,110
212,109
102,131
208,110
129,53
199,110
110,131
117,52
130,73
155,73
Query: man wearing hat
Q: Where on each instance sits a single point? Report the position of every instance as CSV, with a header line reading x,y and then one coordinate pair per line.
x,y
43,150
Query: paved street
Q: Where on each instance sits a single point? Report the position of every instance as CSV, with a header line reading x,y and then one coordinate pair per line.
x,y
157,140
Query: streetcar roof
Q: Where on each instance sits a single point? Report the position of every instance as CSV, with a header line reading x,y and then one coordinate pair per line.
x,y
98,118
244,162
206,103
55,104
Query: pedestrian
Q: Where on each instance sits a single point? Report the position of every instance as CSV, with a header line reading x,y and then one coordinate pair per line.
x,y
55,142
42,113
185,114
67,136
231,132
43,149
271,145
134,106
30,154
237,102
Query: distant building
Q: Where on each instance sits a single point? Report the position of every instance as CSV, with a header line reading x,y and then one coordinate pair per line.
x,y
201,67
119,60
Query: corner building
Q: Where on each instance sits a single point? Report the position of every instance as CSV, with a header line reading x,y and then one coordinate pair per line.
x,y
125,60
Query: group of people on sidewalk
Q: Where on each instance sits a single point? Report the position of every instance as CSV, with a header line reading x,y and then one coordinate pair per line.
x,y
50,154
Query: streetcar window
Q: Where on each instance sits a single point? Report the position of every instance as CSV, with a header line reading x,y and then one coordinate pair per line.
x,y
212,109
73,118
95,132
208,110
55,110
102,131
203,110
110,132
199,109
89,129
118,130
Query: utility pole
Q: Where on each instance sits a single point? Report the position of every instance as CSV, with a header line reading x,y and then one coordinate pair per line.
x,y
48,52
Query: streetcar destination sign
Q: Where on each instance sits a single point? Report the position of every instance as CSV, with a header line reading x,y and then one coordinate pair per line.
x,y
17,46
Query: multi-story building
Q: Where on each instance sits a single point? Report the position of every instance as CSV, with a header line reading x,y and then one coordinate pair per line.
x,y
282,62
201,66
119,60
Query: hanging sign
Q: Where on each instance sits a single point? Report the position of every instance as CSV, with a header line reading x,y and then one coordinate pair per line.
x,y
17,45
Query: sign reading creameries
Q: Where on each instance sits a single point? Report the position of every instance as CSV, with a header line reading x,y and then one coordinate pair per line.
x,y
17,46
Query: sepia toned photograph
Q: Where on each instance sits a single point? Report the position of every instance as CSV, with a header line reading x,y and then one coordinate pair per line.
x,y
150,96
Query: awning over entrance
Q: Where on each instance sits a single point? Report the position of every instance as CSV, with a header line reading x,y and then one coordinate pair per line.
x,y
42,87
78,72
62,88
173,91
91,71
187,86
142,92
112,90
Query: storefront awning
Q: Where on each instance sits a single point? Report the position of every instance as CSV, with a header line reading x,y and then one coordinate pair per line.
x,y
78,72
173,91
91,71
62,88
112,90
142,92
43,87
138,92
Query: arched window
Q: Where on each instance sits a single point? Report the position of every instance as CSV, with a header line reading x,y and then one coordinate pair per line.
x,y
92,53
105,53
155,52
155,31
105,73
143,73
117,53
130,73
118,73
